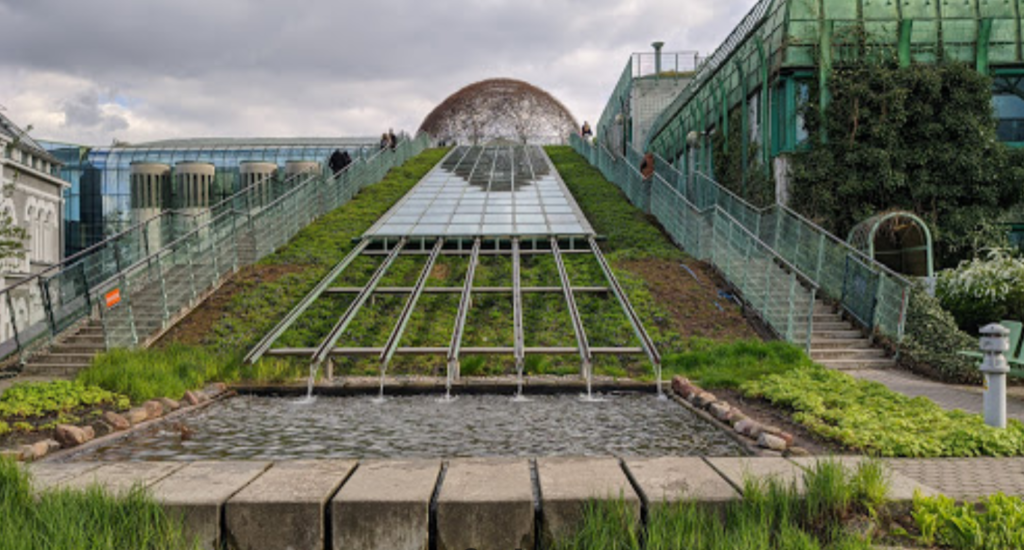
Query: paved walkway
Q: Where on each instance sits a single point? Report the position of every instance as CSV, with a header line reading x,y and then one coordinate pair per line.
x,y
947,396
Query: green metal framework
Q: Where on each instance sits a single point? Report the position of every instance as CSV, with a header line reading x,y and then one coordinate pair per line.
x,y
774,53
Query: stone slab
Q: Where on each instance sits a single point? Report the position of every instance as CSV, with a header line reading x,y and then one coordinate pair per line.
x,y
566,484
675,478
901,487
284,507
120,477
485,504
385,505
49,475
965,478
735,469
196,494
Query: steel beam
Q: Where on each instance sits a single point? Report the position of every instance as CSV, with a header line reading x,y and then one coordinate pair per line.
x,y
268,340
476,290
443,351
464,302
410,305
332,338
517,306
488,252
634,319
570,301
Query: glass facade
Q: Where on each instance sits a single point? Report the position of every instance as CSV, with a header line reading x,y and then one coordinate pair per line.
x,y
99,202
1008,104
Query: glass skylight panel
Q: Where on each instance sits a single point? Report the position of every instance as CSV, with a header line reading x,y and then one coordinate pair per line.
x,y
486,191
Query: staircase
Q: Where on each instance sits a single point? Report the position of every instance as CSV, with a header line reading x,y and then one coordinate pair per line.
x,y
70,355
838,345
835,342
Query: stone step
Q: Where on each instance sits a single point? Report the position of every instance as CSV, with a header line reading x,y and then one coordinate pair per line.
x,y
90,347
827,318
833,325
84,339
839,343
858,364
52,370
66,358
845,353
850,334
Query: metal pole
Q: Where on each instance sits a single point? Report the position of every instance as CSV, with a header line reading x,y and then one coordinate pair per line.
x,y
410,305
460,318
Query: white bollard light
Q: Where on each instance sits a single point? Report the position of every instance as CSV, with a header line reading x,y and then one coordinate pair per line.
x,y
994,343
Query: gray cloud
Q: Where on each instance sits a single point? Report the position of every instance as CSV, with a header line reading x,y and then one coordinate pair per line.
x,y
316,67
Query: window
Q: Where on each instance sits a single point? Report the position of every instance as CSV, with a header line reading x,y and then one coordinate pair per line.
x,y
1008,104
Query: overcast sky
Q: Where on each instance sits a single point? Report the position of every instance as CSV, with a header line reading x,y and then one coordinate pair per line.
x,y
139,70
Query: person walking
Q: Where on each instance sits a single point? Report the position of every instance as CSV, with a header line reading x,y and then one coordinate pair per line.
x,y
585,131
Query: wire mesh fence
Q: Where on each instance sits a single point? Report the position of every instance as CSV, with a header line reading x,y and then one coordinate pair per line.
x,y
139,280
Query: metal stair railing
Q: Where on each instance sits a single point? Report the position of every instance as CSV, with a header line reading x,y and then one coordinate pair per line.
x,y
134,289
775,289
873,294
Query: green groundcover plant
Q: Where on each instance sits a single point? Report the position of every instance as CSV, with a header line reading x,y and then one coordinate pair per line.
x,y
868,417
25,406
995,522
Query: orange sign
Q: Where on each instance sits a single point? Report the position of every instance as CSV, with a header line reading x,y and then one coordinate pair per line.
x,y
113,297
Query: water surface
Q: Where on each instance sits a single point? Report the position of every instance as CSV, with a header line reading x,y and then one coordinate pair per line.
x,y
267,428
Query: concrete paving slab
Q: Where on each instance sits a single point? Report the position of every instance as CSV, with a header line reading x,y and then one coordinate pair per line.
x,y
120,477
672,479
385,505
196,494
486,504
566,484
49,475
966,478
901,487
735,469
284,507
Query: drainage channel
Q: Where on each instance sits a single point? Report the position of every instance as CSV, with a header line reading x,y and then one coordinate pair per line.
x,y
479,201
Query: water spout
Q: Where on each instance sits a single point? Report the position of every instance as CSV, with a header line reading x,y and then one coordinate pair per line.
x,y
588,375
519,398
313,369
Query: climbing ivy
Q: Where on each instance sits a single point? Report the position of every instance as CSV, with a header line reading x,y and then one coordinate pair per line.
x,y
758,188
920,138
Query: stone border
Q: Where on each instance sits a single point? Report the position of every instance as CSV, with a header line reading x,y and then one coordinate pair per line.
x,y
115,436
767,437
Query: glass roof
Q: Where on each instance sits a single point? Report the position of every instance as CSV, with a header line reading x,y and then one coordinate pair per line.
x,y
487,191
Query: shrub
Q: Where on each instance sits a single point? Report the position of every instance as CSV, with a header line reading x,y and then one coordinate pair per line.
x,y
932,340
867,416
167,372
983,291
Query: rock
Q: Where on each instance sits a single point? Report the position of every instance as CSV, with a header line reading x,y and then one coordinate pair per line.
x,y
10,454
70,436
688,390
170,405
90,433
678,382
720,410
190,399
736,418
773,442
771,429
787,437
116,421
749,428
704,399
153,409
799,451
41,449
26,453
137,416
52,445
102,428
215,388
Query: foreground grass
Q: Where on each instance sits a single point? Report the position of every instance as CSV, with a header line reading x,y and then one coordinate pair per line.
x,y
81,520
773,514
